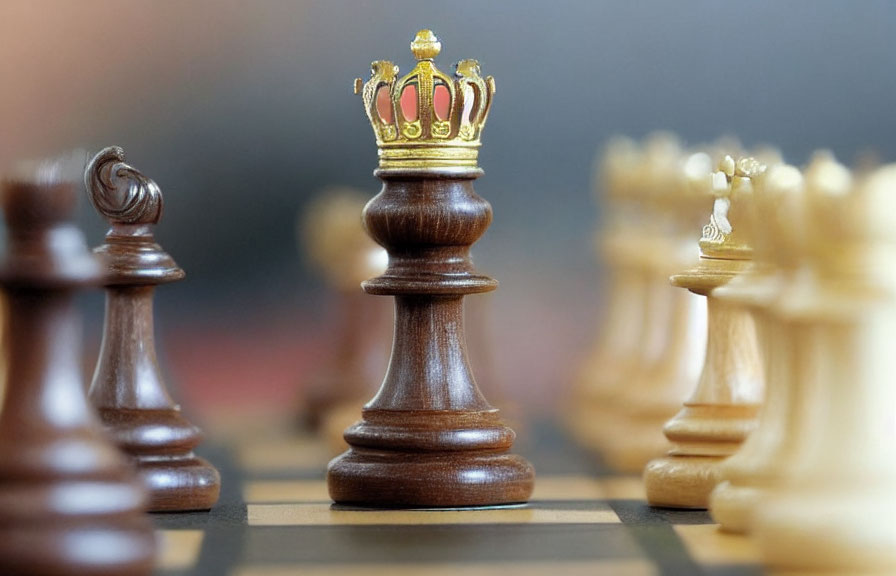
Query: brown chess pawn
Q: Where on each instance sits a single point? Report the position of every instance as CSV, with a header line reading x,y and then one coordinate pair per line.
x,y
128,390
69,502
428,438
721,412
334,238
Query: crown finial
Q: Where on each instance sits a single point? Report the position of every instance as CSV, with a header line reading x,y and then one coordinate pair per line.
x,y
427,120
425,45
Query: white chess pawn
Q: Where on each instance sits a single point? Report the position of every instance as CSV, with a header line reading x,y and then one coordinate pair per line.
x,y
680,188
631,294
832,511
744,475
721,412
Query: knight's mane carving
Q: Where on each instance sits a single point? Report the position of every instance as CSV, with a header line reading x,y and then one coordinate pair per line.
x,y
120,192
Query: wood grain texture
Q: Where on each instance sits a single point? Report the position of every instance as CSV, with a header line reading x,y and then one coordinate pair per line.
x,y
429,438
69,502
128,389
722,410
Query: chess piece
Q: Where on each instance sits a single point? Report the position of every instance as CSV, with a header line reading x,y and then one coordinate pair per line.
x,y
69,502
677,185
618,347
335,241
722,411
756,466
428,438
128,390
831,511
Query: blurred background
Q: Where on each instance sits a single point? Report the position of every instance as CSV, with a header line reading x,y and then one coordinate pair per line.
x,y
243,112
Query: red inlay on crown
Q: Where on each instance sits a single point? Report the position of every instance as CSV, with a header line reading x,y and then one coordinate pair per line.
x,y
409,102
384,105
441,101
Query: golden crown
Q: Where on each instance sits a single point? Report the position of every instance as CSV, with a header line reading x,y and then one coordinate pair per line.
x,y
426,119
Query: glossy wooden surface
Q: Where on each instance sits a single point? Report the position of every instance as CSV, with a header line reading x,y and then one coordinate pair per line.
x,y
128,389
69,501
429,438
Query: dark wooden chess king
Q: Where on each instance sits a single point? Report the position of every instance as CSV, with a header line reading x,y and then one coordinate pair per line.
x,y
128,390
69,503
428,438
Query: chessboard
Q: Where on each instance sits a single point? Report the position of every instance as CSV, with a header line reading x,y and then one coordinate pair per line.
x,y
275,518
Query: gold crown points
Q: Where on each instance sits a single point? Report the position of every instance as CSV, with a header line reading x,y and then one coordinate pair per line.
x,y
427,119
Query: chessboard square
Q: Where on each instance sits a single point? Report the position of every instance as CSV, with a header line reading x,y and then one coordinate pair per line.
x,y
436,544
178,549
592,568
325,515
639,512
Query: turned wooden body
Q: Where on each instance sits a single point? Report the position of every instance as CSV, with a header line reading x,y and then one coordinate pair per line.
x,y
830,505
138,412
758,465
429,438
69,503
128,389
721,413
718,416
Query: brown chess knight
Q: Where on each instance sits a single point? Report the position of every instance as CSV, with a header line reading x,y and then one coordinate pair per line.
x,y
428,438
128,390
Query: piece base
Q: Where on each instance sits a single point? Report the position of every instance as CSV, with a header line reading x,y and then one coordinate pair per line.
x,y
179,484
732,506
379,479
830,530
681,481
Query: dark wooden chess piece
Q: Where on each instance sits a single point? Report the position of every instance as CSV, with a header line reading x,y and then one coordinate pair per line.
x,y
128,390
69,502
428,438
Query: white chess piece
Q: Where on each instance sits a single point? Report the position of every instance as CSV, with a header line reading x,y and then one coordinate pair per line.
x,y
833,511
